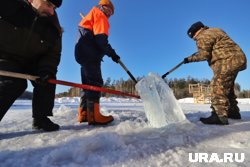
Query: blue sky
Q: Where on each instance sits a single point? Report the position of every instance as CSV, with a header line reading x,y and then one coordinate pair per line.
x,y
150,36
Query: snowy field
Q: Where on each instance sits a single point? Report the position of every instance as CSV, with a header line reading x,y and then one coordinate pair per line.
x,y
129,141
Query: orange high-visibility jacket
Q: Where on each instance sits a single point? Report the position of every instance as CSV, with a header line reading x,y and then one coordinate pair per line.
x,y
96,21
93,43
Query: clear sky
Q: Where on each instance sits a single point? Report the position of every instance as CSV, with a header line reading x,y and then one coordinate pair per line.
x,y
150,36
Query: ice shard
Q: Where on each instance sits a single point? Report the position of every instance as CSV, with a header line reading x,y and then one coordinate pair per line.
x,y
160,105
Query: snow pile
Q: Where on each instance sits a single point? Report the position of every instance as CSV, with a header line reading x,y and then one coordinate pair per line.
x,y
186,100
244,101
128,141
67,100
76,100
161,106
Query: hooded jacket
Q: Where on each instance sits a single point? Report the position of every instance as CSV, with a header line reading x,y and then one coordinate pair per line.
x,y
27,39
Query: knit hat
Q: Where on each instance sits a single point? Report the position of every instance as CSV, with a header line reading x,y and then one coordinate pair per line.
x,y
57,3
107,3
194,28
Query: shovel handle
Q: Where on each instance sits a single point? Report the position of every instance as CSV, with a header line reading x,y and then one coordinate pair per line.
x,y
177,66
18,75
66,83
128,72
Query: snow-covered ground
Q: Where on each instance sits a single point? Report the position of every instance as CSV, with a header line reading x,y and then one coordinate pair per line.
x,y
128,141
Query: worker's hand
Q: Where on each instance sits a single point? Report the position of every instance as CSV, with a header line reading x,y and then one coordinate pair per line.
x,y
115,58
186,60
43,78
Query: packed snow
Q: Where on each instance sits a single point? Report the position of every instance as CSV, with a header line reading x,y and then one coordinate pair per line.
x,y
129,141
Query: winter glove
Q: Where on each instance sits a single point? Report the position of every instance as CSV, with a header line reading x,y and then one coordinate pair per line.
x,y
186,60
115,58
43,79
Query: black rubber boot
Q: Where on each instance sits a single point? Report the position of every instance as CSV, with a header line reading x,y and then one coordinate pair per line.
x,y
214,119
45,124
234,112
234,115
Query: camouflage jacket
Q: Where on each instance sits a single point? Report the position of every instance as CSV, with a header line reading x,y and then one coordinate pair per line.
x,y
219,50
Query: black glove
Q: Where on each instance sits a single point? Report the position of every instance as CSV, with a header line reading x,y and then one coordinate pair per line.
x,y
43,79
115,58
186,60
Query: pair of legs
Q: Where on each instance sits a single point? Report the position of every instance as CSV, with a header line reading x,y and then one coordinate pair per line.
x,y
223,97
224,103
89,108
12,88
89,56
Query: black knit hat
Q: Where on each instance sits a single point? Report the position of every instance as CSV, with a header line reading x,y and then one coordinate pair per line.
x,y
57,3
194,28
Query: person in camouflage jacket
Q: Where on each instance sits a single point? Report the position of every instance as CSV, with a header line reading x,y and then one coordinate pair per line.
x,y
226,59
30,43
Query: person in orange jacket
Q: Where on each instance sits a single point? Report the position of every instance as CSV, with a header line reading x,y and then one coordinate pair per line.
x,y
90,48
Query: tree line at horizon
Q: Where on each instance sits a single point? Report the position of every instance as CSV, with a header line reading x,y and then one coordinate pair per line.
x,y
180,87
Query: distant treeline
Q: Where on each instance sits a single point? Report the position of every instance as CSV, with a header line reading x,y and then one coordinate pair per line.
x,y
180,87
26,95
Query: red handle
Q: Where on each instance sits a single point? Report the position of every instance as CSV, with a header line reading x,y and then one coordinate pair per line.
x,y
94,88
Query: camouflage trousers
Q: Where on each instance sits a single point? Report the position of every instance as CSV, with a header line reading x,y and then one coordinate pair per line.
x,y
223,97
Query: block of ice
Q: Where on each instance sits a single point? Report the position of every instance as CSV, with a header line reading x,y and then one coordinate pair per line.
x,y
160,105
